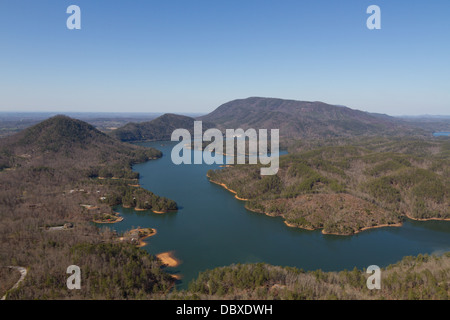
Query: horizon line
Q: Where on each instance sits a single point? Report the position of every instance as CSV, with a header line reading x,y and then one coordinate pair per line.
x,y
195,112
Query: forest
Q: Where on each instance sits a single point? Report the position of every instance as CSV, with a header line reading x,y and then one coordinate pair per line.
x,y
63,171
346,188
422,277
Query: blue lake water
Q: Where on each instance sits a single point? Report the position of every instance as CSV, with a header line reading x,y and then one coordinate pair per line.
x,y
441,134
213,229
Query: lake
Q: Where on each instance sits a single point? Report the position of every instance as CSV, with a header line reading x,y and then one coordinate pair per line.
x,y
213,229
441,134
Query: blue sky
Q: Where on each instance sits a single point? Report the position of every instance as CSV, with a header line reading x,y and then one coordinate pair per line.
x,y
193,55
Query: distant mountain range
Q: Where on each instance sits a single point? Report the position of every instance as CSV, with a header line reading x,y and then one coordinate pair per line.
x,y
295,119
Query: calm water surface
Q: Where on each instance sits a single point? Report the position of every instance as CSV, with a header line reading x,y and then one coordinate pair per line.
x,y
213,229
441,134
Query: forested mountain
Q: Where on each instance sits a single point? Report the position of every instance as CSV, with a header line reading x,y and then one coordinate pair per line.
x,y
302,119
295,119
62,139
160,128
64,172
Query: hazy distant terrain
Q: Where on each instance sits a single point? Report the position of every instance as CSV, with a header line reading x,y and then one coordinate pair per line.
x,y
429,123
13,122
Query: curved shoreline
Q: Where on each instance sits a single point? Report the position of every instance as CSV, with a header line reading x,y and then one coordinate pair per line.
x,y
426,219
119,219
290,225
399,224
364,229
226,187
154,211
142,243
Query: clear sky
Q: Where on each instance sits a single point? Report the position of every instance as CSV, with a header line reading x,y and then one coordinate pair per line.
x,y
194,55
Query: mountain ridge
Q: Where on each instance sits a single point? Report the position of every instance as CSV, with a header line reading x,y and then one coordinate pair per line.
x,y
302,119
160,128
295,120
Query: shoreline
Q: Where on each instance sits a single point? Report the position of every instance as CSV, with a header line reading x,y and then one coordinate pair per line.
x,y
426,219
290,225
142,243
399,224
119,219
226,187
154,211
168,259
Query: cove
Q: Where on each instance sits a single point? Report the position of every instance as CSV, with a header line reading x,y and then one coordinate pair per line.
x,y
213,229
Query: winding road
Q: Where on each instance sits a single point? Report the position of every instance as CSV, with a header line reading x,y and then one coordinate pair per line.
x,y
23,274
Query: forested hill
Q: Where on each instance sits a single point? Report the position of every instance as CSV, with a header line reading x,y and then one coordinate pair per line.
x,y
302,119
60,133
64,172
61,140
160,128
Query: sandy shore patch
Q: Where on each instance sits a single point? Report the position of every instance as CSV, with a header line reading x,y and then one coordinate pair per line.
x,y
290,225
168,259
177,276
